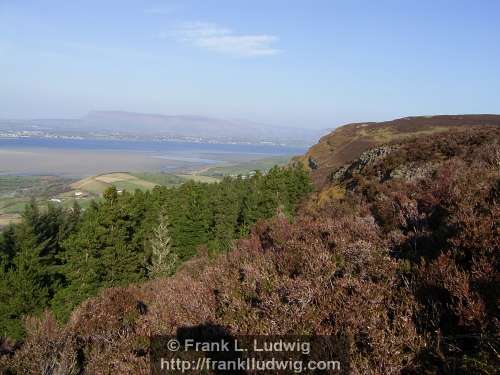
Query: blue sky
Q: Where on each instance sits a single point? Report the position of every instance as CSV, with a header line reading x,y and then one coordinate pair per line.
x,y
302,63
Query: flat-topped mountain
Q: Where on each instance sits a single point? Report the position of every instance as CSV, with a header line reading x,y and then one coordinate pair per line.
x,y
182,126
347,142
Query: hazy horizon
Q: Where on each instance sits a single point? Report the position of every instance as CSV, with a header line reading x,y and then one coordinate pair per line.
x,y
311,65
90,112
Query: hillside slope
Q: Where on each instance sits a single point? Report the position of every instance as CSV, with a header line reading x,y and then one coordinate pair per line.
x,y
401,266
347,142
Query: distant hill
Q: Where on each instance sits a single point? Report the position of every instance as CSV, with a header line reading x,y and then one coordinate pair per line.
x,y
178,125
347,142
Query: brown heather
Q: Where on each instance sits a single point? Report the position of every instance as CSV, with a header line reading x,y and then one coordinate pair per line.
x,y
403,269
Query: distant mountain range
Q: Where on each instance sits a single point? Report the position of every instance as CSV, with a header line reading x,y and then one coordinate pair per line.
x,y
182,126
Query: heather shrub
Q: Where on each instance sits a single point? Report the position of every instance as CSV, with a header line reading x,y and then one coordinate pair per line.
x,y
48,349
445,228
403,269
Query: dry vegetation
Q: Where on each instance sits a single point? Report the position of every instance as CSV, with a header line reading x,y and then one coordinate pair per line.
x,y
400,258
347,142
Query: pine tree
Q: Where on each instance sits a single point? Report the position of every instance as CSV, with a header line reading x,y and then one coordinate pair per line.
x,y
226,206
58,257
163,258
24,289
103,252
191,220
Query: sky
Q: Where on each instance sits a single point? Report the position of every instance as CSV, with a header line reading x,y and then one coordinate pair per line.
x,y
303,63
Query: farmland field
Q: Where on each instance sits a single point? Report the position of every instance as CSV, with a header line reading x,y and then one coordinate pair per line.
x,y
16,191
244,168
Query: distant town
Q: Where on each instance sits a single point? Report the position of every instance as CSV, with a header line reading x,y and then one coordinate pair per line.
x,y
49,134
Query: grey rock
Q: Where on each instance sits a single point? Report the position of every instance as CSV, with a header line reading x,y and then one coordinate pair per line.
x,y
367,158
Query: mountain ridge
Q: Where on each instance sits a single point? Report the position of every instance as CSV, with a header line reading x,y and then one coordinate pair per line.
x,y
347,142
195,126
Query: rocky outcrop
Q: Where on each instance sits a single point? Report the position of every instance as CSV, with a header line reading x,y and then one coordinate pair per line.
x,y
313,164
408,171
367,158
413,171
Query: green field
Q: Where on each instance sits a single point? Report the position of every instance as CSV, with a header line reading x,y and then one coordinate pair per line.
x,y
16,191
199,178
22,186
160,178
12,205
96,185
245,168
12,208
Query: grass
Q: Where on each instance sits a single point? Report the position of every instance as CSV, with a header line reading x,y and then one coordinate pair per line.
x,y
134,185
385,134
25,186
110,178
245,168
16,191
96,185
331,194
13,205
199,178
12,208
8,184
160,178
6,219
91,185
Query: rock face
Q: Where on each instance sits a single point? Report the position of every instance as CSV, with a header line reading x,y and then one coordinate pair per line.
x,y
367,158
312,164
410,171
413,171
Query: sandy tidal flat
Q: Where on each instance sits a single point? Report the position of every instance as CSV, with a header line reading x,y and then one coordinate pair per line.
x,y
80,158
82,162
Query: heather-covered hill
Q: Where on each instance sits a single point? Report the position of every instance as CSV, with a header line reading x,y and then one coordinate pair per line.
x,y
347,142
397,256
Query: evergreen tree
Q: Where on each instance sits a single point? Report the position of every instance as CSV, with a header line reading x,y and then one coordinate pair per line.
x,y
103,252
226,206
25,287
58,257
8,243
163,258
191,219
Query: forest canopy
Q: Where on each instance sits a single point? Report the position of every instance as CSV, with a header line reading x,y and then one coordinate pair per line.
x,y
58,258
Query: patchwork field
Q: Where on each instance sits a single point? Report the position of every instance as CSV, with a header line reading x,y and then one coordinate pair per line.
x,y
6,219
199,178
16,191
244,168
121,180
